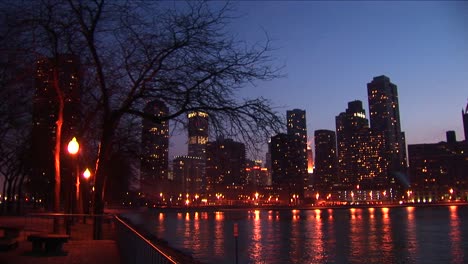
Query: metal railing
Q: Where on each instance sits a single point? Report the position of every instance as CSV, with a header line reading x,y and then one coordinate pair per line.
x,y
135,248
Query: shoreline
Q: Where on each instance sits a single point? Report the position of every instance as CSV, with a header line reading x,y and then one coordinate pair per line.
x,y
278,208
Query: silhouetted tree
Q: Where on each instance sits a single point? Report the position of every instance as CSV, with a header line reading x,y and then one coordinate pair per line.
x,y
15,116
179,53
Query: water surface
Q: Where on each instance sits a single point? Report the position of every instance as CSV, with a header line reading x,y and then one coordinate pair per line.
x,y
356,235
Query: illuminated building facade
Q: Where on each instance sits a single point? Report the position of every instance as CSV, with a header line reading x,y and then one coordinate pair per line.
x,y
198,139
45,114
297,127
465,121
287,162
310,160
256,175
186,171
385,122
437,168
155,149
225,163
352,132
326,170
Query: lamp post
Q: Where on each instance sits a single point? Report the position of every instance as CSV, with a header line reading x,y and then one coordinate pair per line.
x,y
73,148
86,176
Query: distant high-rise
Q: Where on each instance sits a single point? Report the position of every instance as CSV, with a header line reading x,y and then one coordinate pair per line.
x,y
287,161
326,170
437,168
256,175
155,149
198,138
385,122
225,163
45,114
186,172
352,132
451,136
465,121
297,126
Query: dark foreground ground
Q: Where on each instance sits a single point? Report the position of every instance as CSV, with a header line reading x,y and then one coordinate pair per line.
x,y
77,250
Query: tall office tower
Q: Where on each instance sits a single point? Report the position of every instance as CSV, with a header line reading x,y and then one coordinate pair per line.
x,y
451,136
465,121
352,138
296,126
287,161
385,121
268,162
186,171
325,160
155,150
225,164
45,113
198,138
256,175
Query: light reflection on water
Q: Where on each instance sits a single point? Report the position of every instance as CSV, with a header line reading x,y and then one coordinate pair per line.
x,y
355,235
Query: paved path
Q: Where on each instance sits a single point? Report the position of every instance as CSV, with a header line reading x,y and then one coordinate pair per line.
x,y
81,250
77,252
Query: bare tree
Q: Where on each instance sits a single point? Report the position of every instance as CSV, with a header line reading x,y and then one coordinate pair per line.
x,y
178,53
15,115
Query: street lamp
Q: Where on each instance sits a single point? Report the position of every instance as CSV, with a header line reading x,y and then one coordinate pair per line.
x,y
86,194
86,174
73,148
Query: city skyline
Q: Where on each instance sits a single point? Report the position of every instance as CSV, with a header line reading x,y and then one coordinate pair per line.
x,y
330,51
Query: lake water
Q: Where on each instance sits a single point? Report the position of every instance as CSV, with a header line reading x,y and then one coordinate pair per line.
x,y
356,235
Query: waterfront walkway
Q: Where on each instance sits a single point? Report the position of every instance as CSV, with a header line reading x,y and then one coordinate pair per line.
x,y
79,249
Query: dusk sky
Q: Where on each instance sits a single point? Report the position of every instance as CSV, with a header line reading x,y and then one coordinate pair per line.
x,y
331,50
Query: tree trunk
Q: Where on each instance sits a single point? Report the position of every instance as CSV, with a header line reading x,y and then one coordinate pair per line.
x,y
3,197
20,194
58,140
9,196
101,178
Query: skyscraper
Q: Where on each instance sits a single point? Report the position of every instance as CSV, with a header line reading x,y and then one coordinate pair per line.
x,y
186,171
198,138
385,122
225,163
465,121
326,170
297,124
352,130
287,161
155,149
297,127
62,72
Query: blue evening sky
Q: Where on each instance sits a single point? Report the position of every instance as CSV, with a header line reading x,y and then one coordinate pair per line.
x,y
331,50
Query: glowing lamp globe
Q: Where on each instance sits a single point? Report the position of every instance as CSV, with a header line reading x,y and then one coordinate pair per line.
x,y
86,174
73,146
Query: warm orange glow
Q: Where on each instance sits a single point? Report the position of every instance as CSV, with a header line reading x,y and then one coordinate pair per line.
x,y
86,174
257,215
73,146
317,213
